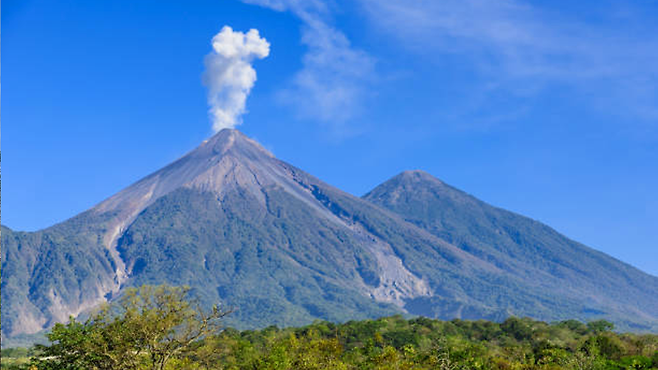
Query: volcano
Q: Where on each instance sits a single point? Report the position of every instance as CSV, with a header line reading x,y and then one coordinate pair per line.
x,y
249,231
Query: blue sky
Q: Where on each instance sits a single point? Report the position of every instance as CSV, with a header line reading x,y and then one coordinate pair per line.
x,y
548,109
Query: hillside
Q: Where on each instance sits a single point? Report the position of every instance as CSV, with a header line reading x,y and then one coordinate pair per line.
x,y
522,247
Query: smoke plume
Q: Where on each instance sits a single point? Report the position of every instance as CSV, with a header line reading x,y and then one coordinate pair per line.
x,y
230,75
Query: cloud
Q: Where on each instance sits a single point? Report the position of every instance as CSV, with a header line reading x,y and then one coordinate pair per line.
x,y
520,47
230,75
513,48
504,34
333,83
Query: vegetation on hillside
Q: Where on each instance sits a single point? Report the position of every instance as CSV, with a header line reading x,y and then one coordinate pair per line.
x,y
576,282
158,328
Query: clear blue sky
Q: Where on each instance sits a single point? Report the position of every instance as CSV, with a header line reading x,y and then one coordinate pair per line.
x,y
548,109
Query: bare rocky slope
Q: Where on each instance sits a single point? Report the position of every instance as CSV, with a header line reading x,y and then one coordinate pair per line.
x,y
255,233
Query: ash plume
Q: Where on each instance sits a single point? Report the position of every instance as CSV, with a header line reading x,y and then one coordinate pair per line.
x,y
229,74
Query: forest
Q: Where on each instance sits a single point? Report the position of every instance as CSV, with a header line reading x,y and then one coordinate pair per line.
x,y
160,327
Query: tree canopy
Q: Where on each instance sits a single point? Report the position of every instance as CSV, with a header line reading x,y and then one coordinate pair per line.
x,y
145,329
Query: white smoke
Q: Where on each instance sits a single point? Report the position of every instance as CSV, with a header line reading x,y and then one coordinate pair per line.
x,y
229,74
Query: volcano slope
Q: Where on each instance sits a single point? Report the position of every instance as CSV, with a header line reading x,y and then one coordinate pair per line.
x,y
529,250
252,232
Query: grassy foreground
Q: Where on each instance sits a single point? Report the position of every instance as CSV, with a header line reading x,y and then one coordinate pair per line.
x,y
396,343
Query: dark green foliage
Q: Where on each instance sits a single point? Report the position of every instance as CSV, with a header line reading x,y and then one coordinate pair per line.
x,y
420,343
517,328
396,343
600,326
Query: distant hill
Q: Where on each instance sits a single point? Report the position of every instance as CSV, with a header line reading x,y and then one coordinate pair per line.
x,y
246,229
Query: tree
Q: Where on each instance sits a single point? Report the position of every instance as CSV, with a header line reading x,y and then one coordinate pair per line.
x,y
518,328
146,328
600,326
